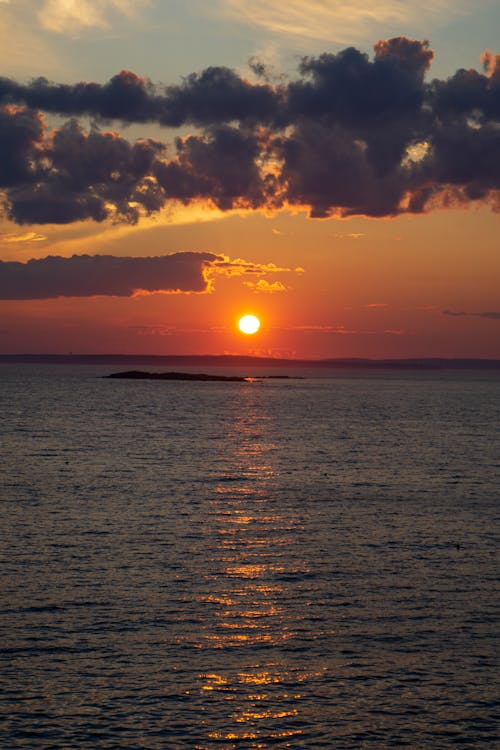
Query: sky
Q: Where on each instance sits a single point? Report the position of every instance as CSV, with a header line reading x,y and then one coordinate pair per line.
x,y
330,167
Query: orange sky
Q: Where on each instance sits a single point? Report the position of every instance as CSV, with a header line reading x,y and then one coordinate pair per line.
x,y
415,272
369,288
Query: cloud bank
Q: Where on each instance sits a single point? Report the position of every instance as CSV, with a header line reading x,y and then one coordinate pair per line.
x,y
118,276
349,136
92,275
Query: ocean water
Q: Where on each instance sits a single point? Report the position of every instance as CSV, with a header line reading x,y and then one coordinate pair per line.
x,y
275,564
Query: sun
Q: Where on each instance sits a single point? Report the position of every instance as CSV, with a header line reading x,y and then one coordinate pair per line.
x,y
249,324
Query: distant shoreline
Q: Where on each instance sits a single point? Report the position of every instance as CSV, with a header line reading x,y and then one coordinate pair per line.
x,y
142,375
421,363
202,376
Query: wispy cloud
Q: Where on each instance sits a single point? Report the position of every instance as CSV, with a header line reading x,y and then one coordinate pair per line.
x,y
341,21
69,16
154,330
21,42
24,25
226,266
163,330
25,237
489,315
266,287
341,330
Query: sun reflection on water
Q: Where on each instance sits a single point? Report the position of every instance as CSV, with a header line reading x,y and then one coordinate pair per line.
x,y
246,592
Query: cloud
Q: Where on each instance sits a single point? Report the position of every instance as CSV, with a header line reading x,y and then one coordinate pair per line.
x,y
21,136
91,275
216,95
454,314
225,266
341,330
26,237
327,169
350,136
21,43
154,330
117,276
221,167
68,16
340,21
350,236
266,287
492,315
72,175
162,330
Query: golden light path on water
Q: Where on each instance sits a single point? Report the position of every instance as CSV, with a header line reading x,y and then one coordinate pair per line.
x,y
298,563
258,689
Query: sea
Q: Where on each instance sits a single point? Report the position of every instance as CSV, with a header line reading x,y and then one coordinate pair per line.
x,y
306,562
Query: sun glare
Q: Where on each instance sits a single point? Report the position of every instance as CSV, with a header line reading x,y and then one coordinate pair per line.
x,y
249,324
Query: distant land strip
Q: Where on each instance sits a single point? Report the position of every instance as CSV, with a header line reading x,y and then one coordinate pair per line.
x,y
226,360
142,375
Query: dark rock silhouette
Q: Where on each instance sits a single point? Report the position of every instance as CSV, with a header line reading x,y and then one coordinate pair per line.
x,y
141,375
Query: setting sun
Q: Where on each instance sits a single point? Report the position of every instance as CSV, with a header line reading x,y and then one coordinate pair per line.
x,y
249,324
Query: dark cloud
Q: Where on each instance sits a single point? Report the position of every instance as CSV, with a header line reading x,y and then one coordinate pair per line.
x,y
329,170
221,166
351,135
260,69
465,157
215,95
493,315
48,204
90,275
21,135
219,95
468,93
351,89
83,175
413,56
126,97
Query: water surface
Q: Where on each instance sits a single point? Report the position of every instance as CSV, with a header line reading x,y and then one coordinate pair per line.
x,y
276,564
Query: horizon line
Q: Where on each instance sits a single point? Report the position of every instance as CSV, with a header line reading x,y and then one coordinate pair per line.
x,y
420,362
